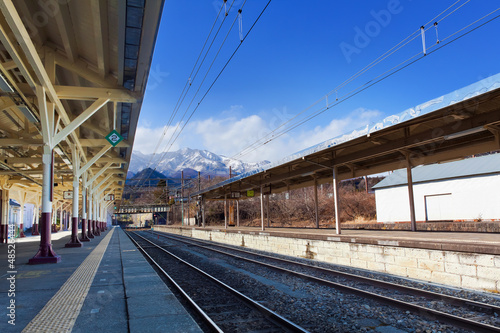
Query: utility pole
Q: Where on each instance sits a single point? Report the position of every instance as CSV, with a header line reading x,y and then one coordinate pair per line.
x,y
182,197
199,199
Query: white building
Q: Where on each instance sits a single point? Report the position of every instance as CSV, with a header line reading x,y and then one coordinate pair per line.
x,y
463,190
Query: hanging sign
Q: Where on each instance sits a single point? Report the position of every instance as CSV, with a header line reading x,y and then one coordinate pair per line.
x,y
114,138
68,194
109,197
250,193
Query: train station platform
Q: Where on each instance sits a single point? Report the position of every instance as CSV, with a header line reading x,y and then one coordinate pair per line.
x,y
458,259
473,242
104,286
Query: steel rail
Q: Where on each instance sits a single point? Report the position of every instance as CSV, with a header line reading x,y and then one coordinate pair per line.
x,y
195,306
266,311
411,290
431,313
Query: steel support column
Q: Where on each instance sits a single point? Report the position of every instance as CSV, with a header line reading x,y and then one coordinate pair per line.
x,y
45,253
90,214
4,215
237,213
74,241
267,211
225,211
316,204
336,201
96,218
83,236
36,217
261,209
410,193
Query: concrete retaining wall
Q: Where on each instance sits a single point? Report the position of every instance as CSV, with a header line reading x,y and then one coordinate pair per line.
x,y
459,269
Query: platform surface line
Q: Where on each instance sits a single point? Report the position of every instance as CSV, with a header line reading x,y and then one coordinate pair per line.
x,y
62,310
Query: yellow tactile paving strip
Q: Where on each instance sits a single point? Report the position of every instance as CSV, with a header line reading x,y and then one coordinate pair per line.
x,y
62,310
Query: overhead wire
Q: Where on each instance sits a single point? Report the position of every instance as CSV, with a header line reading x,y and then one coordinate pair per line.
x,y
368,84
219,74
395,69
215,80
188,85
378,60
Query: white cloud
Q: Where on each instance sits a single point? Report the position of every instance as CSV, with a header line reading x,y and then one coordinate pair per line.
x,y
147,138
229,135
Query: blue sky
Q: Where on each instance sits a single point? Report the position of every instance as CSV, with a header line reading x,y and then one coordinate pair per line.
x,y
298,52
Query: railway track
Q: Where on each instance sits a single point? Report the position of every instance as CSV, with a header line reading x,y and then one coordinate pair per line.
x,y
223,308
441,307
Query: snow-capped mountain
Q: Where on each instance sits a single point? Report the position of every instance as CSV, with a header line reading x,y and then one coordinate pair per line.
x,y
189,160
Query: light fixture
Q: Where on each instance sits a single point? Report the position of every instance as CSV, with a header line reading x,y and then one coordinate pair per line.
x,y
464,133
27,113
4,85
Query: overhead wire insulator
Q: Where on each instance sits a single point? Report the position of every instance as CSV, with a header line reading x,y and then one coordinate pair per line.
x,y
437,37
240,24
422,32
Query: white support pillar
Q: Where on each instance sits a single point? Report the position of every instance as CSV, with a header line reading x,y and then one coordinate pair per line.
x,y
74,241
45,253
336,201
90,211
84,237
4,219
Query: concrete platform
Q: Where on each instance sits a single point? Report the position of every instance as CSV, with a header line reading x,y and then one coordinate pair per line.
x,y
464,260
472,242
122,293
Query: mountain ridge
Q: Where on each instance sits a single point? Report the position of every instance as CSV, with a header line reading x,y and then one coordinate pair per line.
x,y
190,161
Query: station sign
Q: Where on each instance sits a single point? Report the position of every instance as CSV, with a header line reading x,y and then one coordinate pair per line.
x,y
250,193
114,138
109,197
235,194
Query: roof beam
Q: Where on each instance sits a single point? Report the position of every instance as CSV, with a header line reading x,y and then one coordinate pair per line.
x,y
7,142
90,93
102,142
65,27
79,120
81,68
93,160
99,18
100,172
21,35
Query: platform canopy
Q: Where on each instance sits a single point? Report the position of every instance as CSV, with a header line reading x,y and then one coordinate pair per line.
x,y
450,127
71,72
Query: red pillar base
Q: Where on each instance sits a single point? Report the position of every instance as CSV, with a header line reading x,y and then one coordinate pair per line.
x,y
83,237
97,231
3,233
74,241
45,254
34,231
52,258
21,232
90,234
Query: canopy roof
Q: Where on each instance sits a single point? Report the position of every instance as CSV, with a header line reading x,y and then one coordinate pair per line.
x,y
453,126
92,60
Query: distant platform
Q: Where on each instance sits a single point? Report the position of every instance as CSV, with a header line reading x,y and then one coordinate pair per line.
x,y
473,242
